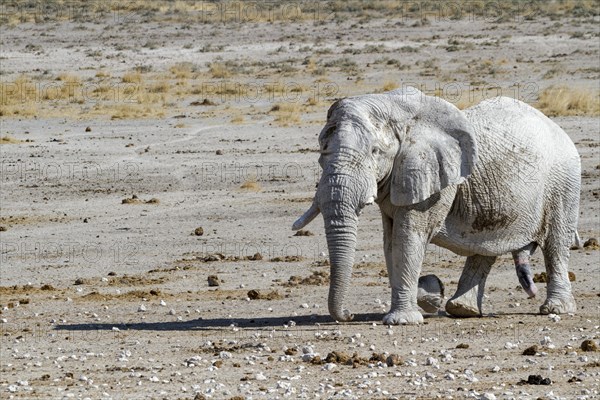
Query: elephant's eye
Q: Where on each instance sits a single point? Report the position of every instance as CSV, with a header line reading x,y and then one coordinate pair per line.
x,y
375,151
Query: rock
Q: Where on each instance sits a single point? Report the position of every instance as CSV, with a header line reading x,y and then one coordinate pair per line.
x,y
530,351
572,276
591,244
79,281
260,377
536,380
199,231
219,152
213,280
589,345
574,379
462,346
88,129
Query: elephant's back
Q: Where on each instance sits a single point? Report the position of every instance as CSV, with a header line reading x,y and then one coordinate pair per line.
x,y
504,119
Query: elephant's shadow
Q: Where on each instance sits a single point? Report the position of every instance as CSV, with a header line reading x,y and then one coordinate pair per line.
x,y
207,324
309,322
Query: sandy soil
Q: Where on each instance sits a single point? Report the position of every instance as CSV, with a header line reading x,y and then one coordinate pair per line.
x,y
107,296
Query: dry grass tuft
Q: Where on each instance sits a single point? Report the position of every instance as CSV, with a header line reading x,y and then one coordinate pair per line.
x,y
561,101
390,85
251,185
287,113
219,70
132,77
237,119
9,140
183,70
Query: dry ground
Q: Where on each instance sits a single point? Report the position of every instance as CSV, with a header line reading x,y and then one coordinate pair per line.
x,y
211,121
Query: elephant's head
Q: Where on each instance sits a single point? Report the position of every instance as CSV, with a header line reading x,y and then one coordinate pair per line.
x,y
401,143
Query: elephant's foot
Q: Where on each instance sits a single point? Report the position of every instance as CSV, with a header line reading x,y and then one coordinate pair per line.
x,y
463,306
559,305
403,317
430,293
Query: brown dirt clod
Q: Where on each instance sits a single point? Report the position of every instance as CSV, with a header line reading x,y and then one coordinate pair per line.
x,y
199,231
317,278
591,244
303,232
462,346
256,295
530,351
589,345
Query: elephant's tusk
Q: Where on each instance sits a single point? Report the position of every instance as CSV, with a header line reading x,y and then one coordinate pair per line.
x,y
308,216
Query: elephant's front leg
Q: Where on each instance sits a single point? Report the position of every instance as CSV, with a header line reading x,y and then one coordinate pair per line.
x,y
408,248
468,298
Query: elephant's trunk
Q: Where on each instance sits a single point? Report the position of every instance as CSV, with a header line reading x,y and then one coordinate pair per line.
x,y
341,242
341,221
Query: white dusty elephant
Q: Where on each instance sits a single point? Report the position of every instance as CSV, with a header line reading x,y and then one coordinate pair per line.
x,y
495,178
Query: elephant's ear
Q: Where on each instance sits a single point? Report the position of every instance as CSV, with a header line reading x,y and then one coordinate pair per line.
x,y
437,148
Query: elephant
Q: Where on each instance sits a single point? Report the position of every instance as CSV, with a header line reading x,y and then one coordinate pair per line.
x,y
491,179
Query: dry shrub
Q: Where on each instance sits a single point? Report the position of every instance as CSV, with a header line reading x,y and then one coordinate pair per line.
x,y
287,113
561,101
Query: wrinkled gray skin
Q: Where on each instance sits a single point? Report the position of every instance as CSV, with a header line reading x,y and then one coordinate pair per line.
x,y
496,178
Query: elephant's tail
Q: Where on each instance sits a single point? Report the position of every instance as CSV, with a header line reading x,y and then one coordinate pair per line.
x,y
578,243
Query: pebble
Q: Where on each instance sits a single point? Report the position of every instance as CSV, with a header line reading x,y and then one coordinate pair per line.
x,y
431,361
329,366
554,317
260,377
141,308
163,303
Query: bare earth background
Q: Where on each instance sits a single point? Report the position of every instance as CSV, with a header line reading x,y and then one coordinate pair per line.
x,y
125,127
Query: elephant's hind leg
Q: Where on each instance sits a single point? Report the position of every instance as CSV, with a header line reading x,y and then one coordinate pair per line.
x,y
467,300
562,228
559,299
